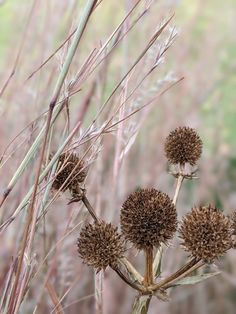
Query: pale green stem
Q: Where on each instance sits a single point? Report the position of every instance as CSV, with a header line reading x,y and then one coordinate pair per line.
x,y
30,154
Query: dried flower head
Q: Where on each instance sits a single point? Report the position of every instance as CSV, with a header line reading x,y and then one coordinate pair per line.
x,y
234,223
206,233
183,145
100,245
71,172
148,218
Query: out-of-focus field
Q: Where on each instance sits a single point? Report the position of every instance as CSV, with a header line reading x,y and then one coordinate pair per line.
x,y
201,44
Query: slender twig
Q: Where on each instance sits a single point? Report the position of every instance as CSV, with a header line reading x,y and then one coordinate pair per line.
x,y
179,182
79,32
187,272
129,282
89,208
183,270
131,270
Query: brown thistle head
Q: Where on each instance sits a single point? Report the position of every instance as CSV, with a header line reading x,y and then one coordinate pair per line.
x,y
234,223
206,233
183,145
100,245
71,172
148,218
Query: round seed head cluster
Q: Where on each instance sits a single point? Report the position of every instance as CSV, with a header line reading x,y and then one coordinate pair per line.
x,y
183,145
206,233
71,172
148,218
100,245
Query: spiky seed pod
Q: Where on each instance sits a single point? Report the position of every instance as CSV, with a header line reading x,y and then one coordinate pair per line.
x,y
206,233
148,218
71,172
183,145
100,245
234,223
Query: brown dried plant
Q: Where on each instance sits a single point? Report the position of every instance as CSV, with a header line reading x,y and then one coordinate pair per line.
x,y
149,220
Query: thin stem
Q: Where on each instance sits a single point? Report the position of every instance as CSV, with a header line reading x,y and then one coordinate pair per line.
x,y
89,8
128,281
89,208
179,182
30,214
77,37
148,278
131,270
187,272
183,270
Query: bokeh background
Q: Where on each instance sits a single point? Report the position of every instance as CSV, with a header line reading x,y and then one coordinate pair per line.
x,y
199,46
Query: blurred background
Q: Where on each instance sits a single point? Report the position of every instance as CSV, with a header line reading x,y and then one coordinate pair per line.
x,y
121,139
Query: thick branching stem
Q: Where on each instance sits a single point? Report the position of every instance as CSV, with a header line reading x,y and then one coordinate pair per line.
x,y
148,278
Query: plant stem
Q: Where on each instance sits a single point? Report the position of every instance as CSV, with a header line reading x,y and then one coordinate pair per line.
x,y
148,278
131,270
89,208
44,134
78,34
187,272
128,281
183,270
179,182
141,304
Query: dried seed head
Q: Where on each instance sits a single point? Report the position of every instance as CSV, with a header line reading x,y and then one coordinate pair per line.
x,y
183,145
206,233
148,218
71,172
100,245
234,223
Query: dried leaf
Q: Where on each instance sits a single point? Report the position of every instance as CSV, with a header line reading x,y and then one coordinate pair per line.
x,y
162,295
157,262
192,280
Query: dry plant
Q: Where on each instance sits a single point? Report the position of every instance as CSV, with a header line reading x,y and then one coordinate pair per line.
x,y
76,111
149,220
42,171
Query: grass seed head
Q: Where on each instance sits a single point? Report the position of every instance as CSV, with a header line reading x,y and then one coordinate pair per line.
x,y
183,145
206,233
100,245
148,218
